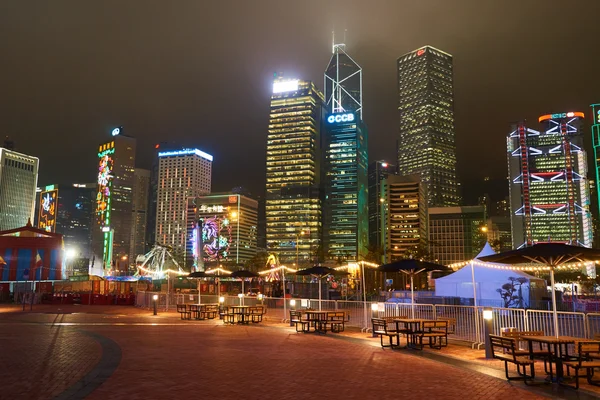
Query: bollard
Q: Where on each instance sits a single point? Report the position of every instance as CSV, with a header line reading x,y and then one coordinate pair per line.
x,y
154,300
488,320
292,308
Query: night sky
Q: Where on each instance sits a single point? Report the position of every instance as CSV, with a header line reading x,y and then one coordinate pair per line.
x,y
200,73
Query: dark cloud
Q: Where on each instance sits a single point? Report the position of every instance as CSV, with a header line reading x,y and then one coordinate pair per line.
x,y
200,72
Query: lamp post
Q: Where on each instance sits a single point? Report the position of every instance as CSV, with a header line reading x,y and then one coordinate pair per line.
x,y
488,316
154,300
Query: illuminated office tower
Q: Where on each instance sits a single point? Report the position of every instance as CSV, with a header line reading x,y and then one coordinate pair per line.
x,y
139,216
426,141
228,224
182,174
293,199
18,182
378,171
549,190
596,144
345,184
69,210
111,237
405,223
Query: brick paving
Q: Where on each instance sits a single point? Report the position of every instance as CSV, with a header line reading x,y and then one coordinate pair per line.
x,y
208,359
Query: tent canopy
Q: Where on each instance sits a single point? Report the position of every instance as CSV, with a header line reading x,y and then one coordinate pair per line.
x,y
488,280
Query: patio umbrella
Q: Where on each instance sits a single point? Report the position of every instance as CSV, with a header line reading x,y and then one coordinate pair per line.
x,y
411,268
198,275
242,273
550,255
320,272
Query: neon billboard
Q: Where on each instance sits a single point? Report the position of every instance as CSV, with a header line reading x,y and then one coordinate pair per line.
x,y
216,238
48,209
105,179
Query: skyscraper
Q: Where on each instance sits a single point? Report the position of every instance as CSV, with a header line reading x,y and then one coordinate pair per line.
x,y
549,190
18,182
378,171
456,234
405,208
345,140
596,145
228,223
139,217
183,175
111,236
293,199
426,141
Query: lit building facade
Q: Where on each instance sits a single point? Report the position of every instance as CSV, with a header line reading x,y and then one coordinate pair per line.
x,y
182,174
345,161
139,210
405,213
426,142
378,171
596,145
18,183
549,189
455,233
111,236
345,211
69,210
228,226
293,196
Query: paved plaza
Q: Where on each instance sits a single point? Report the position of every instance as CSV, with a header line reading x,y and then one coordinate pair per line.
x,y
116,352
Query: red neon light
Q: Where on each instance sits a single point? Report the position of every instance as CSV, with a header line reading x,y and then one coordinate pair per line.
x,y
420,52
568,115
157,146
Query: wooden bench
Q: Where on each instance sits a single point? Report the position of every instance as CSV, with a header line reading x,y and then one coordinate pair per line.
x,y
256,313
381,328
505,349
539,353
435,331
228,315
296,319
184,311
585,359
451,324
337,321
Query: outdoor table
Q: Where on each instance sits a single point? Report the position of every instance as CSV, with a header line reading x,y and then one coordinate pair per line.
x,y
557,346
316,319
241,312
412,326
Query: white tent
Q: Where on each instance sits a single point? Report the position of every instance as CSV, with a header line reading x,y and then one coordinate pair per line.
x,y
487,282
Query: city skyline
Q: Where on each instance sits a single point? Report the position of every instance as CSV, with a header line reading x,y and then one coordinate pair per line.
x,y
484,66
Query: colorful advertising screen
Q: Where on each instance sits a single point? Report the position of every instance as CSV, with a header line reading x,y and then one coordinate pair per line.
x,y
105,178
216,238
48,209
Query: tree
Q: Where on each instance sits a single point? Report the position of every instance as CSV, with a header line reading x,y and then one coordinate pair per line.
x,y
512,292
374,254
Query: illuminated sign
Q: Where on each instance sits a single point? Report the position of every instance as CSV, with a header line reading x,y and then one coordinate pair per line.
x,y
48,209
233,199
105,180
116,131
106,229
337,118
285,86
185,152
420,52
561,115
210,209
216,238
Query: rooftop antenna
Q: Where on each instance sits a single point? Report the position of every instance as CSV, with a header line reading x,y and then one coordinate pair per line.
x,y
332,41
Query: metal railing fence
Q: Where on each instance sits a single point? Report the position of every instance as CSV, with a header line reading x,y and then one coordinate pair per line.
x,y
469,323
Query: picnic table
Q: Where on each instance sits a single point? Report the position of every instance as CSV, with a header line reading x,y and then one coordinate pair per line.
x,y
415,329
240,314
318,321
558,348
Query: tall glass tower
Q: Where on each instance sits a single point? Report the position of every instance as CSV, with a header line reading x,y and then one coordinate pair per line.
x,y
293,198
345,211
426,142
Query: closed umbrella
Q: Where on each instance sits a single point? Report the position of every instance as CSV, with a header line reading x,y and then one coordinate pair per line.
x,y
242,273
411,268
549,255
320,272
198,275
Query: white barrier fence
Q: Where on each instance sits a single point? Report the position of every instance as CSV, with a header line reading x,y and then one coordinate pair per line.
x,y
359,313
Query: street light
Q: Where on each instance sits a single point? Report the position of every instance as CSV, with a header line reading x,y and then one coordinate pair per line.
x,y
488,316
